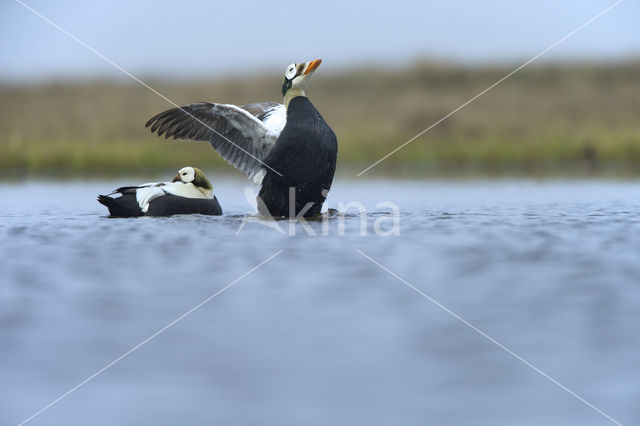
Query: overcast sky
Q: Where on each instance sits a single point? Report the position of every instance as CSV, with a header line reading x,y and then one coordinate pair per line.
x,y
200,38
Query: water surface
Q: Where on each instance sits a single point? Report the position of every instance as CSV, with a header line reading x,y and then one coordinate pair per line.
x,y
320,334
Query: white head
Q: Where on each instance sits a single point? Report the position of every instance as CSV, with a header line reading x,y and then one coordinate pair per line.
x,y
186,175
297,78
196,177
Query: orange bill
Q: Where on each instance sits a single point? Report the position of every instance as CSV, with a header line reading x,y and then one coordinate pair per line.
x,y
312,66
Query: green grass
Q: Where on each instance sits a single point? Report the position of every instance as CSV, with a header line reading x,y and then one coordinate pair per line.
x,y
550,119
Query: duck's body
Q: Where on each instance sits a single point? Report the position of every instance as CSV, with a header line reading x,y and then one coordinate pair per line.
x,y
166,205
280,146
305,155
189,193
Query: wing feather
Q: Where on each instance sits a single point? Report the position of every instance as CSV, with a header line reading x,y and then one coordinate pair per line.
x,y
238,134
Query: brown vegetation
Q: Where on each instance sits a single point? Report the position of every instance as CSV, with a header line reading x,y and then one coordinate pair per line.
x,y
561,119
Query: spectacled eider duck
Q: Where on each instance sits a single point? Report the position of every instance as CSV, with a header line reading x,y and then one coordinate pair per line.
x,y
189,192
280,146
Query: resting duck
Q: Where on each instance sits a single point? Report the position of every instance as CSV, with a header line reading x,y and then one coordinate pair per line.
x,y
288,148
189,192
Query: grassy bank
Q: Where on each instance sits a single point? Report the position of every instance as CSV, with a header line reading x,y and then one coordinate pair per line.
x,y
558,119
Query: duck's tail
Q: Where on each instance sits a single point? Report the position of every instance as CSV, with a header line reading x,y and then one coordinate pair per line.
x,y
125,206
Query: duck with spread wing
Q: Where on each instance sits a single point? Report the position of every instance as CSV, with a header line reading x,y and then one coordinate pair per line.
x,y
287,148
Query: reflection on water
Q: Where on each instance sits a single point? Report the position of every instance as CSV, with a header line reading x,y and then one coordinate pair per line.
x,y
320,335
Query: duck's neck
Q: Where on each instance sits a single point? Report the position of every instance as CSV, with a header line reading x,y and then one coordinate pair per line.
x,y
292,93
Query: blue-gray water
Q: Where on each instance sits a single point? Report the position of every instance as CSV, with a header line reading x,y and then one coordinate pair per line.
x,y
321,335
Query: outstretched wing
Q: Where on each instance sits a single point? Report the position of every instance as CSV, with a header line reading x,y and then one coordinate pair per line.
x,y
242,137
264,110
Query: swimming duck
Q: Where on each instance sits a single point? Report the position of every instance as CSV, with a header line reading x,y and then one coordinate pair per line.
x,y
189,192
288,148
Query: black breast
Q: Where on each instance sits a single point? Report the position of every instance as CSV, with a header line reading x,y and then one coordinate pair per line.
x,y
305,155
